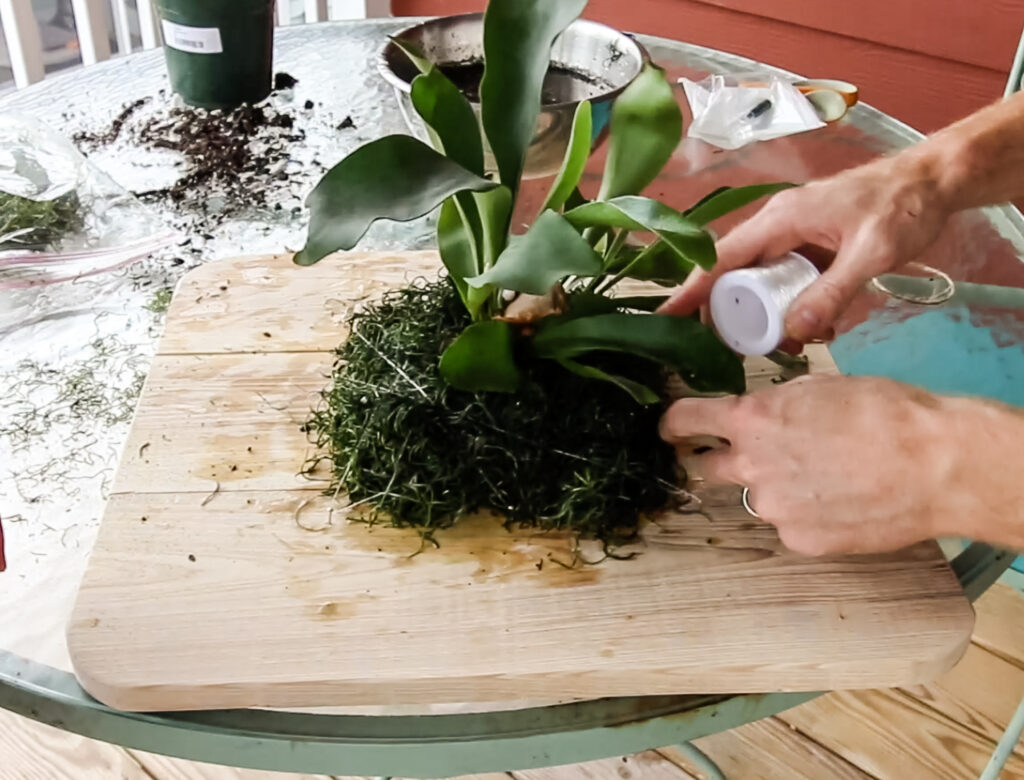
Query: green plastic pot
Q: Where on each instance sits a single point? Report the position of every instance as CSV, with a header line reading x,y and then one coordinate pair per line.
x,y
219,52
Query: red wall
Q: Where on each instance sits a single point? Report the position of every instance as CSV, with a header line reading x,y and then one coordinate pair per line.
x,y
927,62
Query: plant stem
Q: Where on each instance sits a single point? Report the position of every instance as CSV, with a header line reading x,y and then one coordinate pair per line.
x,y
593,235
624,271
609,257
613,250
473,229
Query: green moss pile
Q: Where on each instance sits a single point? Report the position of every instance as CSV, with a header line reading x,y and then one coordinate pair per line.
x,y
45,222
562,453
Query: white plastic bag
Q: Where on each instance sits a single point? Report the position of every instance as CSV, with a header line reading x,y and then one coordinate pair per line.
x,y
62,218
732,111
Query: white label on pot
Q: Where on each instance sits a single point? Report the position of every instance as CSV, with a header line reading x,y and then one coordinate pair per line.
x,y
199,40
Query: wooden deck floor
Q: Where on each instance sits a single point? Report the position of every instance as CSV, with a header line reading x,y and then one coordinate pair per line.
x,y
946,729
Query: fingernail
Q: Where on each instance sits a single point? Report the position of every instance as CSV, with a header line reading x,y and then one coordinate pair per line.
x,y
803,324
808,318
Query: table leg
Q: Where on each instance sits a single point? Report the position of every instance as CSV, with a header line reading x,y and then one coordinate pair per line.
x,y
1006,745
701,761
979,566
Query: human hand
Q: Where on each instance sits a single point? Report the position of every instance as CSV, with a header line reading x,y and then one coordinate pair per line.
x,y
860,464
874,218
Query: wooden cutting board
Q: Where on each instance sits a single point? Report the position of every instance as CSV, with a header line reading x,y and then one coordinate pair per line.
x,y
221,578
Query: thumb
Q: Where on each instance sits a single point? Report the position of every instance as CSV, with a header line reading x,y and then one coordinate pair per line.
x,y
816,309
755,240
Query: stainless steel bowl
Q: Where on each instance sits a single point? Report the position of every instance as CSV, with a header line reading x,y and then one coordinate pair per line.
x,y
590,61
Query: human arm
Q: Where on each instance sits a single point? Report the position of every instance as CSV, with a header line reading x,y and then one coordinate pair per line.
x,y
861,464
875,217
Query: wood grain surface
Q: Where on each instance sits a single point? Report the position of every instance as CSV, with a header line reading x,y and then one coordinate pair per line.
x,y
909,738
222,579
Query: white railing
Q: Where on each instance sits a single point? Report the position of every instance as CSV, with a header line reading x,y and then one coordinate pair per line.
x,y
95,18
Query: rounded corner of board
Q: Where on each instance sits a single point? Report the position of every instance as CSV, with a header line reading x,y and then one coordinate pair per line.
x,y
81,654
102,690
947,655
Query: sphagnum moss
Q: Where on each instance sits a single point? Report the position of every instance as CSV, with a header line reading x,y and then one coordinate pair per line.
x,y
561,453
45,222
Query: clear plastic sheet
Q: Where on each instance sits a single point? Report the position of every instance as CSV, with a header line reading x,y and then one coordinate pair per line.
x,y
61,217
73,355
732,111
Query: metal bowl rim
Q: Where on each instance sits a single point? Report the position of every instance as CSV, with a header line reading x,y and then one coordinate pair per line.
x,y
389,75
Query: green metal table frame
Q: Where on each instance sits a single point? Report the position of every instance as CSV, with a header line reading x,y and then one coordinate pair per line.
x,y
416,745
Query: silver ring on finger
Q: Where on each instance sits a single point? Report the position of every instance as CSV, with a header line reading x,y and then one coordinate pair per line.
x,y
746,504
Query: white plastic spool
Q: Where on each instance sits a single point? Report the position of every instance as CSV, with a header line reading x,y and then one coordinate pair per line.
x,y
749,305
